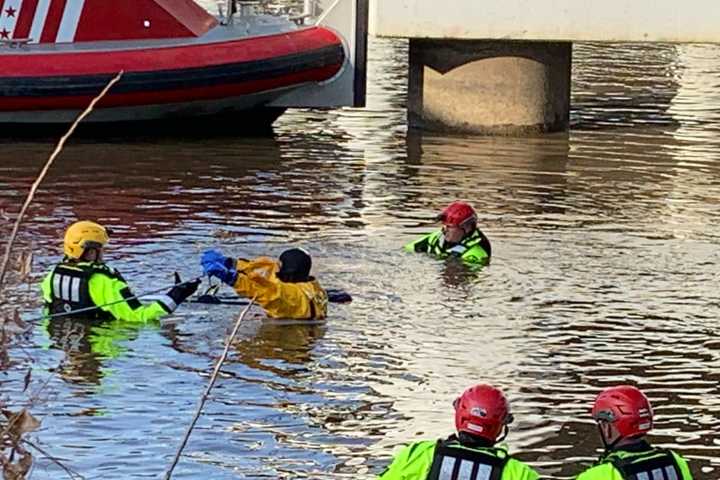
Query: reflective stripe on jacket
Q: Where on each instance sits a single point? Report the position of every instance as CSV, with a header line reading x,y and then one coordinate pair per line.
x,y
475,248
450,460
71,286
297,300
649,464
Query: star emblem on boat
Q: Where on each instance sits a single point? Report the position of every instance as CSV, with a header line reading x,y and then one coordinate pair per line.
x,y
5,33
10,11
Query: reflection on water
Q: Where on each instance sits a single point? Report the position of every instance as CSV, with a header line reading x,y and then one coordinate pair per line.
x,y
604,271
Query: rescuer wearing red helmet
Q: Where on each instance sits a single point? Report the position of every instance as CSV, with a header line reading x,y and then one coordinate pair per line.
x,y
459,236
482,416
624,416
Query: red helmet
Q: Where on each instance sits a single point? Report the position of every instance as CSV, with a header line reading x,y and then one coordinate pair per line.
x,y
627,408
482,411
457,214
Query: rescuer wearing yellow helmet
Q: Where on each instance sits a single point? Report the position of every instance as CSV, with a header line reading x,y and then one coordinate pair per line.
x,y
82,281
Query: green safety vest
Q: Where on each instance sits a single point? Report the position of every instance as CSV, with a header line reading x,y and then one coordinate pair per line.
x,y
473,249
70,288
651,464
73,286
450,460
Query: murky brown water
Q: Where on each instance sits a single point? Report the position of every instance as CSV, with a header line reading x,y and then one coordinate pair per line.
x,y
605,270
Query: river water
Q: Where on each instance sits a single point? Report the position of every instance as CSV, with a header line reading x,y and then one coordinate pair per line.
x,y
605,270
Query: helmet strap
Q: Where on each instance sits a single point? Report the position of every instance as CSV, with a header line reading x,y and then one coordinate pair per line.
x,y
87,251
470,224
503,434
608,446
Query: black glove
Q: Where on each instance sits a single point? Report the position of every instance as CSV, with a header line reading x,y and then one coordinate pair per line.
x,y
180,292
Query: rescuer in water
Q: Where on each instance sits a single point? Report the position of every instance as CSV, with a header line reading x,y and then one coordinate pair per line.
x,y
283,287
482,416
624,416
459,236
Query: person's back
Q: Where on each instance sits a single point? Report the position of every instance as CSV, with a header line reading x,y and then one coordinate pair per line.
x,y
437,460
624,417
481,418
638,461
459,237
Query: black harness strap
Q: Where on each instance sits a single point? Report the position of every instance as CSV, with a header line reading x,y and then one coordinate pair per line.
x,y
657,467
452,462
70,288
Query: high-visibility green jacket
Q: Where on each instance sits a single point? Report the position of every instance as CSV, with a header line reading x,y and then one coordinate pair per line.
x,y
639,461
450,460
72,286
475,248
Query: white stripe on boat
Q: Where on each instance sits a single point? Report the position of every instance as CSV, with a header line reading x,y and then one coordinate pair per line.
x,y
38,23
70,20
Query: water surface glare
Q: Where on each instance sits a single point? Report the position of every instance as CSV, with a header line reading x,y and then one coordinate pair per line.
x,y
605,246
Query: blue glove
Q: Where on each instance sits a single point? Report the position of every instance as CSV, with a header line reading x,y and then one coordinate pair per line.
x,y
215,264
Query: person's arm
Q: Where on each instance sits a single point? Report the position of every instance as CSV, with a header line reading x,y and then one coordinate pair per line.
x,y
114,296
256,278
684,468
517,470
411,463
46,288
421,244
602,471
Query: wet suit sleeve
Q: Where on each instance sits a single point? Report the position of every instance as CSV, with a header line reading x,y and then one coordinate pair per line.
x,y
517,470
684,468
256,278
600,472
45,287
420,245
106,290
302,300
411,463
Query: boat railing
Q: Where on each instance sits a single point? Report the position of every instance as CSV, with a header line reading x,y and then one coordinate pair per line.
x,y
229,9
14,42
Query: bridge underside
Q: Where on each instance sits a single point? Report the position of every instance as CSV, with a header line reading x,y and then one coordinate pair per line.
x,y
489,87
504,67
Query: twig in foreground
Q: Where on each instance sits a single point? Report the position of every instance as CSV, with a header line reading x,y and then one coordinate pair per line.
x,y
43,172
205,395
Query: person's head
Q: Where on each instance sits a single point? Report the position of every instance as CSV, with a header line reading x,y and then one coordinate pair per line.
x,y
295,265
459,220
482,413
623,414
84,241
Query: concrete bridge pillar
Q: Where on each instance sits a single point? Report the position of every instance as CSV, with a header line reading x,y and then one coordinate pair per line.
x,y
490,87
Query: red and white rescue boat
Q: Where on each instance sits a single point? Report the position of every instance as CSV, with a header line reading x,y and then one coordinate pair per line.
x,y
178,60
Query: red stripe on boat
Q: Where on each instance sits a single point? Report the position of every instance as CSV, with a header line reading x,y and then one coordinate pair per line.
x,y
52,24
24,22
10,104
165,58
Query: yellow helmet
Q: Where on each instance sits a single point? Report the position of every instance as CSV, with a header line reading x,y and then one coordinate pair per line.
x,y
80,234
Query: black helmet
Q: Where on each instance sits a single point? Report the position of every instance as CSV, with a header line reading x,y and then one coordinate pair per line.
x,y
295,265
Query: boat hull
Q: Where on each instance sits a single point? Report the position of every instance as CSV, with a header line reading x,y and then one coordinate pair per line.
x,y
213,76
